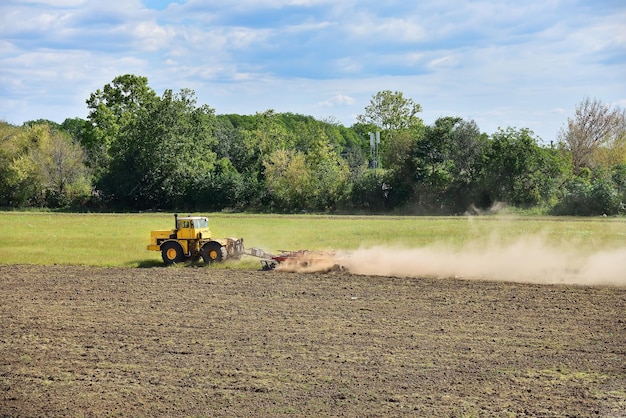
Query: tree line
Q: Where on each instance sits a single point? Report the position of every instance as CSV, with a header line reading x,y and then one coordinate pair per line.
x,y
137,150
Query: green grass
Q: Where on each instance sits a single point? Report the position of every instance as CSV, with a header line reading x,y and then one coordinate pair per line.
x,y
121,239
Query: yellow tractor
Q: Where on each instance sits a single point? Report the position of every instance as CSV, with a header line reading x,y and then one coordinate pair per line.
x,y
191,239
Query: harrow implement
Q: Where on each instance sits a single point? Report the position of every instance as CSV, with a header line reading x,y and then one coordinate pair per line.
x,y
298,260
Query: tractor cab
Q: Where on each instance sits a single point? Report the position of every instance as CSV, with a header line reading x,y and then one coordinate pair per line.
x,y
192,227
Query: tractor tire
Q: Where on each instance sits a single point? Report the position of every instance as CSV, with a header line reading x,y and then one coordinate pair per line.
x,y
213,252
172,253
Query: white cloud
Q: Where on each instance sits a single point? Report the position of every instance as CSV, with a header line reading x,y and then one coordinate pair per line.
x,y
308,27
379,29
445,61
150,36
349,65
338,99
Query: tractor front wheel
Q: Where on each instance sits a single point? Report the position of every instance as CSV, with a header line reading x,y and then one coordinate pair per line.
x,y
212,252
172,253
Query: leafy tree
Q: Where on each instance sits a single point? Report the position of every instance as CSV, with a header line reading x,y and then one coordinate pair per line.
x,y
19,182
400,169
53,126
593,126
41,166
618,179
352,147
391,111
516,170
434,153
288,179
456,149
230,144
618,176
588,197
277,144
112,111
269,134
81,131
395,116
362,146
322,147
311,176
373,191
465,147
343,137
235,136
613,151
433,166
64,174
604,198
331,176
220,189
159,155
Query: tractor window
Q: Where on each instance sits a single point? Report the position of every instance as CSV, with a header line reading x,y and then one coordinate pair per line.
x,y
201,223
185,224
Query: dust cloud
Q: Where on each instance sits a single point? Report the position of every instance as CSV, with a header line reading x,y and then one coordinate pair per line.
x,y
525,260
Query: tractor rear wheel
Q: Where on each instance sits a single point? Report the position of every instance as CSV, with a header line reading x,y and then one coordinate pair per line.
x,y
172,252
213,251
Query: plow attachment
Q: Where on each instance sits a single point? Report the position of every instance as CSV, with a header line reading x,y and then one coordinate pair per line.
x,y
299,260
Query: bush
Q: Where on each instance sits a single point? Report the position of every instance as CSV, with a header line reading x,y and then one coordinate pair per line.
x,y
585,198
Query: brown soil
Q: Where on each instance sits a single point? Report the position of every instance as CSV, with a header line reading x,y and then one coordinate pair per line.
x,y
192,341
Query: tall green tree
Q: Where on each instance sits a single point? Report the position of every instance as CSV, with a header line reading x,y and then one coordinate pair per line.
x,y
20,182
267,135
311,174
65,176
447,163
516,170
395,117
230,143
288,180
113,110
159,155
41,166
391,111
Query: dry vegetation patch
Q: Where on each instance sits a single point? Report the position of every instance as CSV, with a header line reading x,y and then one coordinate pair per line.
x,y
209,342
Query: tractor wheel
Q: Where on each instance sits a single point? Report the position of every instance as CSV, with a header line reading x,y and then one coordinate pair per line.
x,y
172,253
212,252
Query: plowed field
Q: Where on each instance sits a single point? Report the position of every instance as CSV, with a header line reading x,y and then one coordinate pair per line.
x,y
194,341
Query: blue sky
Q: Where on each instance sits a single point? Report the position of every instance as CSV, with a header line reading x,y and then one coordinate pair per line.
x,y
501,63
